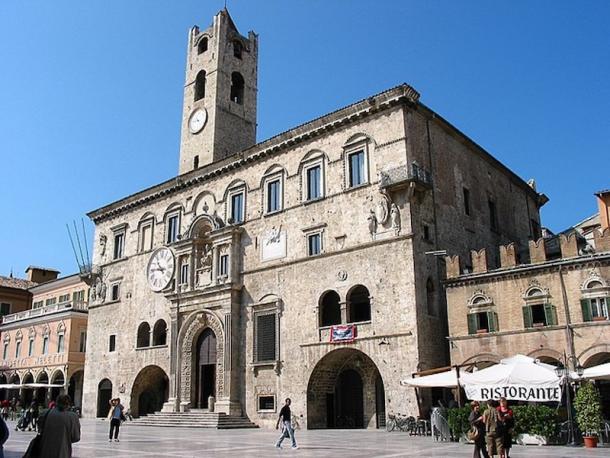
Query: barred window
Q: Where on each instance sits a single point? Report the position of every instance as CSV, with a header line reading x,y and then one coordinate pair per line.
x,y
266,337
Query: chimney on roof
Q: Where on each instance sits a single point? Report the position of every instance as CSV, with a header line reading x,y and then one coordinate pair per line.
x,y
603,204
40,274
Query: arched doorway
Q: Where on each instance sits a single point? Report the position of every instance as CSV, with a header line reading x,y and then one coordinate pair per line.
x,y
75,388
57,379
345,390
602,385
149,392
104,395
205,366
27,394
41,393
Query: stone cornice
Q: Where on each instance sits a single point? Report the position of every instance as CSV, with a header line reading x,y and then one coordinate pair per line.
x,y
304,132
526,270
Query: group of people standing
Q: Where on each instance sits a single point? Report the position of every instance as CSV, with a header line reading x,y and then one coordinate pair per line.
x,y
493,429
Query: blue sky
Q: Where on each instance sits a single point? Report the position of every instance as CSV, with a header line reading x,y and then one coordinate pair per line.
x,y
91,93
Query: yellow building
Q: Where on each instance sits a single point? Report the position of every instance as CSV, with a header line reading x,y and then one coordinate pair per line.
x,y
45,345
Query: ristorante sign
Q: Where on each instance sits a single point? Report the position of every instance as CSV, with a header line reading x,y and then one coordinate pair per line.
x,y
533,393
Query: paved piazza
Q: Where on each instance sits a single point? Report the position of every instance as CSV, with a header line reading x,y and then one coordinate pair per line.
x,y
165,442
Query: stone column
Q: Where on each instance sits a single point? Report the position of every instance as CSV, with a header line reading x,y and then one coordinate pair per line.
x,y
173,401
343,312
215,264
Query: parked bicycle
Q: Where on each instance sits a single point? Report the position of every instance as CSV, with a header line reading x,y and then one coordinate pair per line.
x,y
401,422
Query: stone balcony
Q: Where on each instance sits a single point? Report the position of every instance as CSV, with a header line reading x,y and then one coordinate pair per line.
x,y
405,176
45,310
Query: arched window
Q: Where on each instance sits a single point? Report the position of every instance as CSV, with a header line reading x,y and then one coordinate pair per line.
x,y
330,309
237,88
431,298
160,333
200,85
595,300
359,304
143,335
237,49
202,46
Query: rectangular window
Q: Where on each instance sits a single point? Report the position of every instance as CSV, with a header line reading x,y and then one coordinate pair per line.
x,y
314,182
45,345
173,228
5,309
466,194
539,315
426,231
356,169
595,309
146,237
184,272
273,196
60,343
223,265
112,343
493,216
31,347
237,208
82,344
5,352
51,301
64,298
482,322
265,337
119,245
314,244
78,297
37,304
266,403
115,292
18,349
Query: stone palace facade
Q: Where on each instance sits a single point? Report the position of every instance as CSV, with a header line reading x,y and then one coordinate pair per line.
x,y
295,267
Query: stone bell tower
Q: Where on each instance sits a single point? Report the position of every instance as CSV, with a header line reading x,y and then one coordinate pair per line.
x,y
219,109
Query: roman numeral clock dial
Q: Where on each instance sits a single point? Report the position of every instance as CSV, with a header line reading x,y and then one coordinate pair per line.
x,y
160,269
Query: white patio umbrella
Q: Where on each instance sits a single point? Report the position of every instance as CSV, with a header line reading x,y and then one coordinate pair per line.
x,y
446,379
518,378
600,372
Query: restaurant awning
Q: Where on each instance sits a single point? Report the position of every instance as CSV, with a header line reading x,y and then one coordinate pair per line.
x,y
15,386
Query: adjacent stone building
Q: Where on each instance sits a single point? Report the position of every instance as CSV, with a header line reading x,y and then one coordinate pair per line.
x,y
45,344
295,267
15,294
549,306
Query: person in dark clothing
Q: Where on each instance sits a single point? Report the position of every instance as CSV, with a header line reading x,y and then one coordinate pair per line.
x,y
3,436
287,431
116,417
476,420
508,420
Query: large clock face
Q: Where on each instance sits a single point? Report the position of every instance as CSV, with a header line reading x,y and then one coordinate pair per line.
x,y
197,120
160,269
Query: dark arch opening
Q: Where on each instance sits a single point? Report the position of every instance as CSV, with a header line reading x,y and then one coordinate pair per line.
x,y
75,388
330,309
202,46
57,379
149,392
28,395
160,333
336,388
143,335
237,88
205,367
42,393
104,395
359,304
200,85
14,380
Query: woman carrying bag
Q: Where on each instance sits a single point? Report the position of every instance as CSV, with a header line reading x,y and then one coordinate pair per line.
x,y
477,430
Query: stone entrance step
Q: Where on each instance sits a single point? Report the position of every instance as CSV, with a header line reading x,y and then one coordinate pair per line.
x,y
194,419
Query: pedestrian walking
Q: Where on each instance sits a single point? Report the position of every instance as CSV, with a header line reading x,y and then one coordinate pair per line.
x,y
3,435
493,434
508,425
287,431
116,417
476,421
59,429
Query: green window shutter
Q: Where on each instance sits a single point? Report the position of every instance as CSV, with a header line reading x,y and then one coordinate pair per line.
x,y
527,317
586,309
492,319
472,323
549,313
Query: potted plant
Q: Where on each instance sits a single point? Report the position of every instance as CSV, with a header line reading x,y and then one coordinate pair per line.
x,y
588,412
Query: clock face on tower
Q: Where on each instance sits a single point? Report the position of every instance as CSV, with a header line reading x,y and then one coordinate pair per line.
x,y
160,269
197,120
